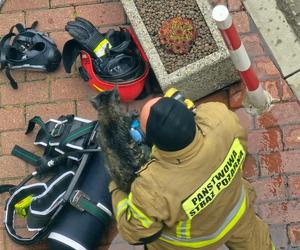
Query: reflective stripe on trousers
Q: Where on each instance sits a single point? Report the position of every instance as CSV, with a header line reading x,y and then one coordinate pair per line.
x,y
230,221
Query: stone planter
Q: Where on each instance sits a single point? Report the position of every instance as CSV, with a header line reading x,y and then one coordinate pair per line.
x,y
1,3
198,78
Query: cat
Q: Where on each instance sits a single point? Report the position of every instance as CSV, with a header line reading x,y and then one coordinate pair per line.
x,y
123,155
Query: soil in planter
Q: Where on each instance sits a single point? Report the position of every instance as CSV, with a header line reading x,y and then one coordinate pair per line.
x,y
154,12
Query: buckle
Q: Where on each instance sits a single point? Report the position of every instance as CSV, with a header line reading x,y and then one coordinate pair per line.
x,y
76,197
57,130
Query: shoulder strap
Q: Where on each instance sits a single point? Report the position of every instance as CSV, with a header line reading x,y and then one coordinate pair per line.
x,y
12,81
4,48
26,156
83,130
10,211
36,120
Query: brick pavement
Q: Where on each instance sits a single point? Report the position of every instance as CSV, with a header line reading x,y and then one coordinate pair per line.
x,y
273,163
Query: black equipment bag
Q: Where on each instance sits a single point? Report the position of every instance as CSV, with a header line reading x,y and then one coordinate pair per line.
x,y
74,229
77,191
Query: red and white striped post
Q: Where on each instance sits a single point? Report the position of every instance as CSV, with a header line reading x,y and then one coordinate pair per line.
x,y
257,96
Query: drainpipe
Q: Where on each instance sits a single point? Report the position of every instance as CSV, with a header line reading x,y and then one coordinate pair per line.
x,y
257,99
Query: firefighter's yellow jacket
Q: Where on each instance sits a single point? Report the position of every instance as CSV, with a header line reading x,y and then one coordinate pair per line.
x,y
192,198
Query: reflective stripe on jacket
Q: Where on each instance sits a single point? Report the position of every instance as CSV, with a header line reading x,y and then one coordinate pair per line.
x,y
194,195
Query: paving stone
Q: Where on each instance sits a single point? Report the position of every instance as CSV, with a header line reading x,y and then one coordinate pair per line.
x,y
33,92
18,75
2,243
272,87
294,186
8,20
60,38
10,166
35,75
61,73
293,211
14,118
264,141
280,162
269,189
50,110
241,21
70,88
14,181
287,93
250,170
279,115
103,14
274,213
279,236
291,137
15,5
23,232
86,110
1,224
265,68
245,118
59,3
236,95
253,45
235,5
216,2
50,19
9,139
294,235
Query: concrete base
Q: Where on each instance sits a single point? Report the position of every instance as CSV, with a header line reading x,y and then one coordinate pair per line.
x,y
197,79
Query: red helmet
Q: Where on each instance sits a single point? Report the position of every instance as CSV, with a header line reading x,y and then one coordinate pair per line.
x,y
128,72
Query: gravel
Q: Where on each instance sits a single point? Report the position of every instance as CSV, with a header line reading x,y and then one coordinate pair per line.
x,y
154,12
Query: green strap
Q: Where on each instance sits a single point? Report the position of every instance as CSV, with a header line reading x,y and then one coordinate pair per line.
x,y
92,209
88,128
36,120
25,155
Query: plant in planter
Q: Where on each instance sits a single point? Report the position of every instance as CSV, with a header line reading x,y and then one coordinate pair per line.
x,y
199,63
178,34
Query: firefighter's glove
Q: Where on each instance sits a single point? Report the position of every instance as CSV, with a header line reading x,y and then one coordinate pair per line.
x,y
86,34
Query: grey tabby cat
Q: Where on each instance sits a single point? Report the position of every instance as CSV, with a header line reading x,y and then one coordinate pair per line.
x,y
123,155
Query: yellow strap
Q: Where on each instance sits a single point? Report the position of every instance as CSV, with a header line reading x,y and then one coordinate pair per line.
x,y
170,92
22,206
138,214
218,181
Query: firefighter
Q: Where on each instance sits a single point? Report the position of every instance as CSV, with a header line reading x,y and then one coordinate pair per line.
x,y
191,194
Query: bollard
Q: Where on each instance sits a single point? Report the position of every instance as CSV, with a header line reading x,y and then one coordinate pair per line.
x,y
258,100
